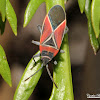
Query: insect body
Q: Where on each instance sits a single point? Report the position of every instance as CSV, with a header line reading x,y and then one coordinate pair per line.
x,y
52,33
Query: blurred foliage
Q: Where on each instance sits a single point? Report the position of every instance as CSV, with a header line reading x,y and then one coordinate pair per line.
x,y
8,12
92,9
4,67
95,16
30,10
3,9
93,40
2,26
81,5
11,17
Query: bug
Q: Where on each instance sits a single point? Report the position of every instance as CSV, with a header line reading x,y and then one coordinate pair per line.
x,y
52,33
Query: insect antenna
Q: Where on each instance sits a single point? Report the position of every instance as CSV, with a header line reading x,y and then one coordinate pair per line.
x,y
35,72
50,75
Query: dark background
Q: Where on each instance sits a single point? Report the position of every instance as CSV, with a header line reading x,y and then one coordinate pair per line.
x,y
19,50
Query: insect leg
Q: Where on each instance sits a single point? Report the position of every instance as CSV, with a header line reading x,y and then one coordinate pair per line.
x,y
34,73
55,62
40,28
50,75
62,51
66,30
37,55
35,42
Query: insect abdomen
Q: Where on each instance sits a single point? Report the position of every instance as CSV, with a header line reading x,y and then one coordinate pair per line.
x,y
48,49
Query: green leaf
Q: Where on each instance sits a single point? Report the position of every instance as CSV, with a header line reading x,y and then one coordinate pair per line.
x,y
94,42
30,10
25,88
81,5
62,71
2,26
95,10
11,16
3,9
4,67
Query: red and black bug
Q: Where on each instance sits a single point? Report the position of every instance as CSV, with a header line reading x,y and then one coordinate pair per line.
x,y
52,33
